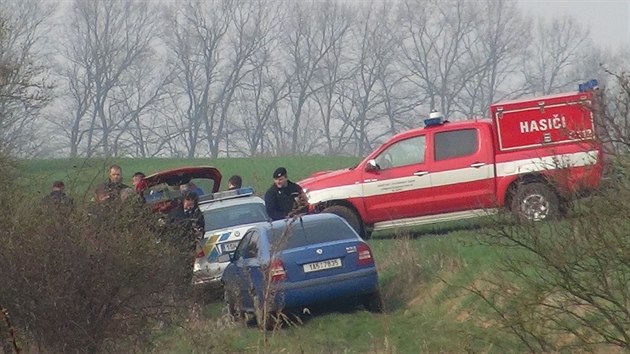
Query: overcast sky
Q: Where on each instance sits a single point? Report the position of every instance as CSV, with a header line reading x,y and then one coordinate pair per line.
x,y
608,19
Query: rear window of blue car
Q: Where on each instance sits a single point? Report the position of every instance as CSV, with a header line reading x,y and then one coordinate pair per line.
x,y
312,232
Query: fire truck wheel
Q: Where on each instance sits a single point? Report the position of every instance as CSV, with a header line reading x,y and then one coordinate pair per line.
x,y
535,202
351,217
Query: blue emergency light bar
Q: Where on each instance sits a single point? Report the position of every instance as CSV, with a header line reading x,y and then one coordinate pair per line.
x,y
588,86
430,122
239,192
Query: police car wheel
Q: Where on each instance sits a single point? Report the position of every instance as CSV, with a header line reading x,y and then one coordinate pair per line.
x,y
535,202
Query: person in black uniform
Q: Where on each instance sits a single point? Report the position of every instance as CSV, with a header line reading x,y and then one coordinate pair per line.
x,y
187,225
283,196
187,214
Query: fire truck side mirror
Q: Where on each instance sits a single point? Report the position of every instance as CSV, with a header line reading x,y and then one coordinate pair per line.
x,y
372,166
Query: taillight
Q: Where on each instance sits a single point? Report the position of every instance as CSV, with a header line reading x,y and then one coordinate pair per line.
x,y
201,254
365,254
277,270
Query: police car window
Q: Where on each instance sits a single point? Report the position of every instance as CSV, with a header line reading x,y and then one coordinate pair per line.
x,y
456,143
405,152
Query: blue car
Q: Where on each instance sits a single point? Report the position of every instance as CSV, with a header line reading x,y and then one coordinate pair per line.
x,y
291,265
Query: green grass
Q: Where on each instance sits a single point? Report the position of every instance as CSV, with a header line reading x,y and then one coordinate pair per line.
x,y
432,319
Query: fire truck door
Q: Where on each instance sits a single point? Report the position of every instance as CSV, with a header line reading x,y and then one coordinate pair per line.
x,y
462,172
400,186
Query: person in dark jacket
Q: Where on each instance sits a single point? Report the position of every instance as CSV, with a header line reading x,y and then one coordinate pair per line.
x,y
235,182
58,195
187,224
187,215
283,197
114,184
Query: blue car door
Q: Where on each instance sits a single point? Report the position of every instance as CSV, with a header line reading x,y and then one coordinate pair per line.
x,y
250,276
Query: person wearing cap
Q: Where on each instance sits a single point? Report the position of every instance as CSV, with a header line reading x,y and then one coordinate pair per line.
x,y
283,196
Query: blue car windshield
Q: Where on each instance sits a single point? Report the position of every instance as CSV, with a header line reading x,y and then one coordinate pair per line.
x,y
234,215
312,232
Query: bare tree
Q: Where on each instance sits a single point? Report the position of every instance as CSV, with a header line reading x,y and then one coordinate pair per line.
x,y
196,42
504,36
336,69
369,96
559,45
436,35
24,84
105,42
614,126
316,30
135,101
260,95
252,24
213,45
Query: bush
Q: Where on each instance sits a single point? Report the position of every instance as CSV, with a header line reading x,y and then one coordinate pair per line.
x,y
566,286
76,278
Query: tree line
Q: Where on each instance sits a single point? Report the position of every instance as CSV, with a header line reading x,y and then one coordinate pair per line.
x,y
234,78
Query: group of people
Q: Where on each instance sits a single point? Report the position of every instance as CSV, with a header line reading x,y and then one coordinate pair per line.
x,y
283,198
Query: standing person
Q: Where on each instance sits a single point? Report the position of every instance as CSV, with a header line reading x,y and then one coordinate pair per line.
x,y
58,195
114,185
235,182
283,196
195,189
187,214
188,220
136,180
139,184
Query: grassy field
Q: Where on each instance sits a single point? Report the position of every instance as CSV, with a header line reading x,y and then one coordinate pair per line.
x,y
427,309
423,275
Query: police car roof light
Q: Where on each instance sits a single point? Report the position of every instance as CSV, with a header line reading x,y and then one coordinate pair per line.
x,y
245,191
240,192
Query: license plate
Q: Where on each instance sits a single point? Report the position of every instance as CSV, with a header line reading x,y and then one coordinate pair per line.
x,y
327,264
229,246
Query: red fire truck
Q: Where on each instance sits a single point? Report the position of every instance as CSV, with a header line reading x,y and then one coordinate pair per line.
x,y
530,157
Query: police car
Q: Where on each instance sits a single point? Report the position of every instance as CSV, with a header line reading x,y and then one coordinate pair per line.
x,y
228,215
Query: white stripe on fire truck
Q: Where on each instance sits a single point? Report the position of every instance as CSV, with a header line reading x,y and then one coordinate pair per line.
x,y
445,178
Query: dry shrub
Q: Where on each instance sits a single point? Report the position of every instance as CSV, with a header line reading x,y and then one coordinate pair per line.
x,y
401,273
74,279
564,285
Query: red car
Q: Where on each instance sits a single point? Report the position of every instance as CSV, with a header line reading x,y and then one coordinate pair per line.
x,y
161,190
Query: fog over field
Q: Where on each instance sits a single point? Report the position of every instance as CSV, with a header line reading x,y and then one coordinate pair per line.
x,y
608,20
227,78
